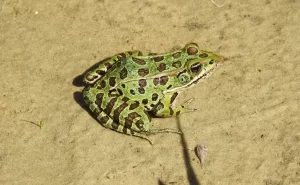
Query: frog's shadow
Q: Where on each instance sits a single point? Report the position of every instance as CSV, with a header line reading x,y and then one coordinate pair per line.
x,y
77,81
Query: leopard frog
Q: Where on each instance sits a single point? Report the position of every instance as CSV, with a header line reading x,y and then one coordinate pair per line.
x,y
124,91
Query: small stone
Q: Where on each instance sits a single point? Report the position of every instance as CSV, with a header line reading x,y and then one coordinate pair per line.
x,y
110,175
201,152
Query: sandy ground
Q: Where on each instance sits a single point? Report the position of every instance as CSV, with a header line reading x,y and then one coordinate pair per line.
x,y
248,110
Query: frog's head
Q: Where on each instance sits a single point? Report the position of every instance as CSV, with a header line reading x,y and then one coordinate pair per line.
x,y
200,64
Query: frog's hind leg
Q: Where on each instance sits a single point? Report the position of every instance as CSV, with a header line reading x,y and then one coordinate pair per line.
x,y
165,109
100,68
120,121
108,122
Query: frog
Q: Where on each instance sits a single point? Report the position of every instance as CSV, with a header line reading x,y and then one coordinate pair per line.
x,y
125,91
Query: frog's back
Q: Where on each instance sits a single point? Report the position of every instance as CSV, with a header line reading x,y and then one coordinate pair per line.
x,y
136,67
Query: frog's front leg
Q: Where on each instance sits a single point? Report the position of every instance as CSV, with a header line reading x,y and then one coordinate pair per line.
x,y
99,69
165,109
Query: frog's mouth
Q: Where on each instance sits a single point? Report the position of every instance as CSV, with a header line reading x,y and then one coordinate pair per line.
x,y
204,75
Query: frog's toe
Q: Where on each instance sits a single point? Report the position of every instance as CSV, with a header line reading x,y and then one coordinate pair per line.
x,y
164,130
188,102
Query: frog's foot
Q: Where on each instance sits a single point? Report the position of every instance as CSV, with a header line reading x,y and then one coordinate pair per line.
x,y
164,130
140,135
183,106
167,110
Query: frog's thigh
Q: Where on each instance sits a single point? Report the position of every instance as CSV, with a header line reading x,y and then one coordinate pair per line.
x,y
95,103
133,116
108,122
165,109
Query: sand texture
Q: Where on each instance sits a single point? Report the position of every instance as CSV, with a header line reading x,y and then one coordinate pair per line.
x,y
248,110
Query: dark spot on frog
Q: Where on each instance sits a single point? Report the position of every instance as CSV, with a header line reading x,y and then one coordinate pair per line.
x,y
115,125
145,101
171,111
131,116
134,105
169,87
102,84
118,111
128,123
139,61
123,73
104,119
110,105
123,85
163,80
154,96
142,82
203,55
132,92
100,72
158,59
161,67
120,92
112,81
141,90
211,62
155,81
139,124
176,55
125,99
99,98
143,72
174,97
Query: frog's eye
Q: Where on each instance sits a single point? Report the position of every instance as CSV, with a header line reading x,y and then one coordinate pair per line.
x,y
195,68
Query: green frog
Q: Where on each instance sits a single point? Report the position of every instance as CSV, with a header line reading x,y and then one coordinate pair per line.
x,y
124,91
